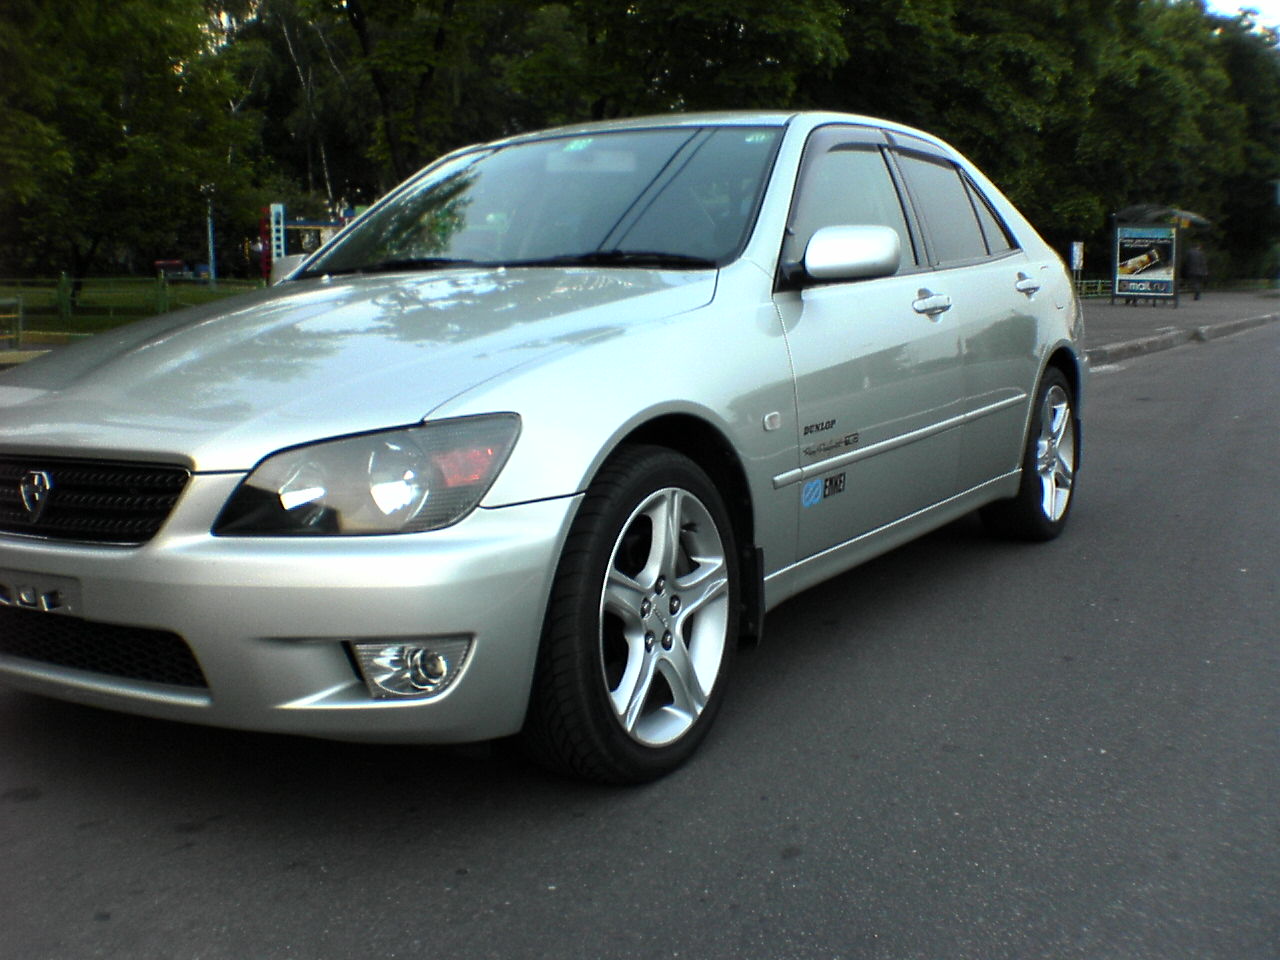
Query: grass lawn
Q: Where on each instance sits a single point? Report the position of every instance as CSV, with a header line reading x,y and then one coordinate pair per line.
x,y
102,303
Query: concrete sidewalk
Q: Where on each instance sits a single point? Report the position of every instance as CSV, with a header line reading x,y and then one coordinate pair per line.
x,y
1116,331
1111,331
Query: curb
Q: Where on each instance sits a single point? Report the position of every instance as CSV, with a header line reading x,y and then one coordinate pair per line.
x,y
11,358
1111,352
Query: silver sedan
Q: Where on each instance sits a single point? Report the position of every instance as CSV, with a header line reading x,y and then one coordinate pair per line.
x,y
533,444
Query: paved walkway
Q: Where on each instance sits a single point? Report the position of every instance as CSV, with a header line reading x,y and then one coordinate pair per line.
x,y
1115,331
1111,331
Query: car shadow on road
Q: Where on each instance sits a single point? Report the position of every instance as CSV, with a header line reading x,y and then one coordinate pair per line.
x,y
133,757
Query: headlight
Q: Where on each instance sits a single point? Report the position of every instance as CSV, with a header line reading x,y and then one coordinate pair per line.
x,y
397,481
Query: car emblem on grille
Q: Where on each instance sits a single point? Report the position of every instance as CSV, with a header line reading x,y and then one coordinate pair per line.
x,y
35,488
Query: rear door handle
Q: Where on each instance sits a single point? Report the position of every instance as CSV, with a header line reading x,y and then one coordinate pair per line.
x,y
931,304
1026,285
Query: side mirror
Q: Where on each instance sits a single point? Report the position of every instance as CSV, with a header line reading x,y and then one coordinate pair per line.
x,y
284,266
852,253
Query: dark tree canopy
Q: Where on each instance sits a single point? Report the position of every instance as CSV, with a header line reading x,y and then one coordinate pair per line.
x,y
125,129
124,119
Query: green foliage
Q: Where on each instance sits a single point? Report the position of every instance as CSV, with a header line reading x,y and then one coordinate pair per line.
x,y
116,115
1078,108
131,105
30,144
1250,202
613,58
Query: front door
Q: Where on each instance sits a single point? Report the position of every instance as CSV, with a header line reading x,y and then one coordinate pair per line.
x,y
877,363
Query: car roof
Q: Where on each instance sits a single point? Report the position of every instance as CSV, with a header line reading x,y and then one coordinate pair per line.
x,y
720,118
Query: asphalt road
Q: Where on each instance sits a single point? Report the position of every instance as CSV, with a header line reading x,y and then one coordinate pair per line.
x,y
965,749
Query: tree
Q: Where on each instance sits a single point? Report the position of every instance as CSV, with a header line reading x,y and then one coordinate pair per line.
x,y
1250,202
1164,126
1009,82
437,74
620,58
132,104
296,73
1077,108
120,117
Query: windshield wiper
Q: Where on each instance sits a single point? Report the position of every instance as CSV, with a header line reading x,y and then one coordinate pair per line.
x,y
391,266
620,258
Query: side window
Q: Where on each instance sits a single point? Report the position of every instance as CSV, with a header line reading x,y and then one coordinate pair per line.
x,y
942,200
844,183
999,240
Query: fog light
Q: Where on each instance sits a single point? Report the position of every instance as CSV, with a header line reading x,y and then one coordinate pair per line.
x,y
418,670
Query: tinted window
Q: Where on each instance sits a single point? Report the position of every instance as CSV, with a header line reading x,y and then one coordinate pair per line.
x,y
683,192
993,228
844,184
710,201
943,201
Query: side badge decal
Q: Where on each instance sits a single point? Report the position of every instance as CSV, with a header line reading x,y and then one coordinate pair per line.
x,y
815,491
811,494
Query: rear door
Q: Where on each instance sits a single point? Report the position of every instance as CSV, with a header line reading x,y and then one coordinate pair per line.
x,y
995,293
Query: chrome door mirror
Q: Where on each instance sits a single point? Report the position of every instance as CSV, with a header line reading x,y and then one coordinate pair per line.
x,y
852,253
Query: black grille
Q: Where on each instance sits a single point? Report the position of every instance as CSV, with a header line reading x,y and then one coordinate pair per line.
x,y
87,500
154,656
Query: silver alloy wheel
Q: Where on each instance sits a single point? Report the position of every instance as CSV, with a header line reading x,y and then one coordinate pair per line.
x,y
1056,453
664,615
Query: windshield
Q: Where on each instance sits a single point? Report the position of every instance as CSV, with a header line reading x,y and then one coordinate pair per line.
x,y
677,197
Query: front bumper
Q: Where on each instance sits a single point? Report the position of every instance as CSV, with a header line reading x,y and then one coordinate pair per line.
x,y
267,619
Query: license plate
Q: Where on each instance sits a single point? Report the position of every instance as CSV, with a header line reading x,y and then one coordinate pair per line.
x,y
39,591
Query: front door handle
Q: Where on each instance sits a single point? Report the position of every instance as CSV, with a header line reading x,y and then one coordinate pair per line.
x,y
931,304
1026,285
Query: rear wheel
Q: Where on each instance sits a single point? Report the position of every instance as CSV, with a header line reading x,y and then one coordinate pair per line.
x,y
1040,509
641,626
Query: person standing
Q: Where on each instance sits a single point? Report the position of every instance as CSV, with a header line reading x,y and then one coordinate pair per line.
x,y
1197,269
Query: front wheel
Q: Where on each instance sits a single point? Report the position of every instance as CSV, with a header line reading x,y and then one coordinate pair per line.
x,y
641,626
1049,464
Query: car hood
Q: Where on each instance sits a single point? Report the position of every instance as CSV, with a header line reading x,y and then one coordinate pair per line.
x,y
221,386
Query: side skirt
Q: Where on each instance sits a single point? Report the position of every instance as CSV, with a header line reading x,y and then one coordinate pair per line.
x,y
786,583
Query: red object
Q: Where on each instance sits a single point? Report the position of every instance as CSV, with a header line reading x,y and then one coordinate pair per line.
x,y
462,468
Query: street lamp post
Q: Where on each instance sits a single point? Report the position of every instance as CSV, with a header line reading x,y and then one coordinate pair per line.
x,y
207,190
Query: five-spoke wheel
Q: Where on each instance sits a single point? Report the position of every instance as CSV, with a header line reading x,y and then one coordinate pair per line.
x,y
1039,511
664,615
641,625
1056,452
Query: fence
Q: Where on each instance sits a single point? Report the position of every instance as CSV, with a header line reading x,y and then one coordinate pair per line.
x,y
75,307
1102,288
1093,288
11,323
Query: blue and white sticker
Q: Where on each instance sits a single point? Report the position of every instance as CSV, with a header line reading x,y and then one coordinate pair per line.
x,y
811,495
815,491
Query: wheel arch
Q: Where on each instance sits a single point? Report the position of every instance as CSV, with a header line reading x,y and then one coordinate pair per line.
x,y
706,446
1065,360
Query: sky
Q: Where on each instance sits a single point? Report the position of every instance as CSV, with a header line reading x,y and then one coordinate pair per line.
x,y
1268,10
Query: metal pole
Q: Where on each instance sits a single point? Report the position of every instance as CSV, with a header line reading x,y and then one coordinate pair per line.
x,y
213,269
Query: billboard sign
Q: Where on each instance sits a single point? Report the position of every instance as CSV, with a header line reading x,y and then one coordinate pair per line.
x,y
1146,259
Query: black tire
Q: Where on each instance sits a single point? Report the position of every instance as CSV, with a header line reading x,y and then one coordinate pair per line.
x,y
638,639
1049,467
